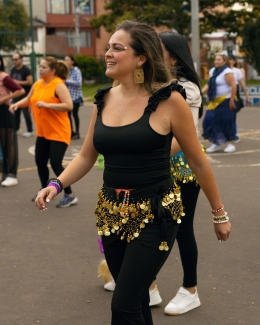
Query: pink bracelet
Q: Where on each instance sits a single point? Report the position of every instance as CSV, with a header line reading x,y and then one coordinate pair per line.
x,y
219,209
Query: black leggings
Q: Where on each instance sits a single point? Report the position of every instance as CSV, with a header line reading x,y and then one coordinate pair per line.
x,y
134,265
185,236
8,139
53,150
27,117
75,113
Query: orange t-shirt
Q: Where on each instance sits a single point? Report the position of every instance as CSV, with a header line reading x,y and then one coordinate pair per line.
x,y
50,124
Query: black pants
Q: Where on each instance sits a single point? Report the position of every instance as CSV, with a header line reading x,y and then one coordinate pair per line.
x,y
133,266
185,235
8,139
75,113
27,117
54,151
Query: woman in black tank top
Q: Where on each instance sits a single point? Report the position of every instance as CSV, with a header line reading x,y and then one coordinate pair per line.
x,y
139,207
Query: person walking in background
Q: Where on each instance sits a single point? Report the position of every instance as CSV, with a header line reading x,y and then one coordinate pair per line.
x,y
9,89
50,101
23,76
139,207
74,84
240,83
178,59
219,124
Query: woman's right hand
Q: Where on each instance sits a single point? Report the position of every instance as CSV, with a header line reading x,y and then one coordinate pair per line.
x,y
45,195
13,108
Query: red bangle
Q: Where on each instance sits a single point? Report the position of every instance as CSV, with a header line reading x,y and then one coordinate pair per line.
x,y
219,209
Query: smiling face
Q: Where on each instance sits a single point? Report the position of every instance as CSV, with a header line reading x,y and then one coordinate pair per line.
x,y
120,58
219,61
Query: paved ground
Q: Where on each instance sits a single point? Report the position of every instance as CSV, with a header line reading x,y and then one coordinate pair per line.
x,y
48,272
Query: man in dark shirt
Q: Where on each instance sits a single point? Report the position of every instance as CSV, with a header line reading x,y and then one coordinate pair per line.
x,y
22,75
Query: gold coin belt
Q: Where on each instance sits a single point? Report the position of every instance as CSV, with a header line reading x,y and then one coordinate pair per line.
x,y
127,220
180,169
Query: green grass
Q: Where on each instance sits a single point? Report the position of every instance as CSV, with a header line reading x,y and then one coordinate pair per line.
x,y
90,91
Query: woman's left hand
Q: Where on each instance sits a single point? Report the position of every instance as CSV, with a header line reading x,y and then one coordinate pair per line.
x,y
43,104
222,230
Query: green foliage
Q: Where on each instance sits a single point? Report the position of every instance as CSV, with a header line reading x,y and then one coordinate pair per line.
x,y
14,24
175,14
89,66
251,43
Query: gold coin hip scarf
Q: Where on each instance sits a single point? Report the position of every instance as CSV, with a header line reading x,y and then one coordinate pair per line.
x,y
180,169
127,216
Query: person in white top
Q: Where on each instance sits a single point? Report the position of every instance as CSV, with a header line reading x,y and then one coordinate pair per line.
x,y
240,82
219,124
178,59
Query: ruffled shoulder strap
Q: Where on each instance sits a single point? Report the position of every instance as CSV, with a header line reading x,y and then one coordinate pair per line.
x,y
163,93
99,101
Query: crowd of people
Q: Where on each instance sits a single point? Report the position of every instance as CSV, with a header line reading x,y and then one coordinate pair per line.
x,y
51,100
146,128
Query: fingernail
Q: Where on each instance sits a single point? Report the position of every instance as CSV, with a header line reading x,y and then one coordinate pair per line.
x,y
43,206
220,241
47,200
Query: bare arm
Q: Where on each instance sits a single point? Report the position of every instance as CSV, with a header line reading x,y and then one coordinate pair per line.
x,y
183,128
22,103
15,94
230,79
65,105
243,86
205,89
77,168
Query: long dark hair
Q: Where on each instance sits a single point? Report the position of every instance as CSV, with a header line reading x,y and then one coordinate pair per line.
x,y
2,65
178,49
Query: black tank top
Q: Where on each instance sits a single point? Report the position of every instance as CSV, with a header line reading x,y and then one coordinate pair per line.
x,y
135,155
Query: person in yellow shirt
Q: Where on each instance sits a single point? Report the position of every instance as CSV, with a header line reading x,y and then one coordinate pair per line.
x,y
51,101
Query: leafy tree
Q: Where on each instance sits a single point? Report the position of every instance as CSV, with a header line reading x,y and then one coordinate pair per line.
x,y
14,24
251,42
174,14
89,66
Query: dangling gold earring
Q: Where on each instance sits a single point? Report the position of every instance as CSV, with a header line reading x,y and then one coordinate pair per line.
x,y
138,75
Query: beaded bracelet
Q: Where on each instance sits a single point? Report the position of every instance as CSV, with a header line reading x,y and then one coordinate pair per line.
x,y
56,185
217,210
56,181
220,219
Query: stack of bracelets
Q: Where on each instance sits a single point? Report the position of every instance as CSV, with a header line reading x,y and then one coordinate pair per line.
x,y
55,182
220,219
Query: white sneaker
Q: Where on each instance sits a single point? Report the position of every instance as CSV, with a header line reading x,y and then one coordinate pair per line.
x,y
10,181
27,134
230,148
214,147
110,286
183,302
155,298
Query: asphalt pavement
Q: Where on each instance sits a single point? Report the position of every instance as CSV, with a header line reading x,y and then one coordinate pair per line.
x,y
49,260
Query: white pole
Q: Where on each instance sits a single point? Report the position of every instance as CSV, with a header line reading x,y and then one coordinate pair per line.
x,y
195,40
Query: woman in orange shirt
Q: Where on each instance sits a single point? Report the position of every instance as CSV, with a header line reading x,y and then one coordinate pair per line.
x,y
50,101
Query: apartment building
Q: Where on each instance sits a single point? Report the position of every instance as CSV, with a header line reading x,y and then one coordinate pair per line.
x,y
61,33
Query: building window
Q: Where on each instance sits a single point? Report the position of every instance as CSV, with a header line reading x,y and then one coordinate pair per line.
x,y
84,37
58,7
85,7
